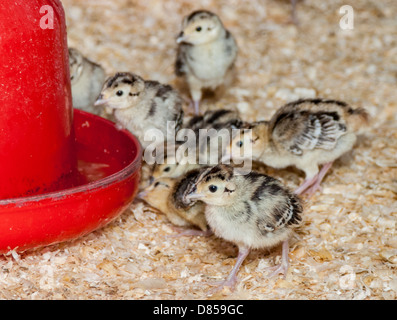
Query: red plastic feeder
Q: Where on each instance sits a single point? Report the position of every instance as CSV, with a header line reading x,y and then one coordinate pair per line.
x,y
61,176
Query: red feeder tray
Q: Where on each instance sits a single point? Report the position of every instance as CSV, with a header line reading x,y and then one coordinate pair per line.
x,y
108,173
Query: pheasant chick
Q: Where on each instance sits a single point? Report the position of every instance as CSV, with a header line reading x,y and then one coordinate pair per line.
x,y
140,105
206,53
174,164
166,195
86,79
253,211
305,133
213,119
212,131
171,169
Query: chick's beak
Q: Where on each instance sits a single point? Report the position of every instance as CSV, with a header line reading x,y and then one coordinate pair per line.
x,y
100,101
142,194
194,196
181,38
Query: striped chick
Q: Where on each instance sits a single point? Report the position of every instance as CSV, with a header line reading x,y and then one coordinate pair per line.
x,y
253,211
305,133
140,105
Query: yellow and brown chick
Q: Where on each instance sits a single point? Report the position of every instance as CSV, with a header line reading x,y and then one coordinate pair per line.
x,y
166,163
167,195
140,105
171,169
86,79
305,133
253,211
206,53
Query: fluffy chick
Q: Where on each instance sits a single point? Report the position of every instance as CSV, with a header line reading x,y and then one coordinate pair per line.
x,y
206,53
172,166
213,132
253,211
214,119
166,164
171,169
166,195
87,79
305,134
140,105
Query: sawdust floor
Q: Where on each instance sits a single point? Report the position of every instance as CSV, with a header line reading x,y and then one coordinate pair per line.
x,y
347,247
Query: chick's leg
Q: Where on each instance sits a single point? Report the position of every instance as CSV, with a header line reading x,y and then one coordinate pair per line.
x,y
232,278
196,105
195,91
320,177
306,184
284,265
311,173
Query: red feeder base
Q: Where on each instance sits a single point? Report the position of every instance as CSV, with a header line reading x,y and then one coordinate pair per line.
x,y
109,163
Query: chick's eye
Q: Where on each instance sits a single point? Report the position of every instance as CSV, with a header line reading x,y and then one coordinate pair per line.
x,y
167,169
198,29
212,188
119,93
239,144
156,184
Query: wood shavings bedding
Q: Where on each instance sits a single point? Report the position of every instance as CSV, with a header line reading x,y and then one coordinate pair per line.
x,y
347,246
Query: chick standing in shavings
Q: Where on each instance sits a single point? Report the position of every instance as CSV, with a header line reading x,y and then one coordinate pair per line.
x,y
206,54
305,133
140,105
253,211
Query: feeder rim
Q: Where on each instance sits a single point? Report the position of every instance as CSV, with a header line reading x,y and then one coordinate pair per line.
x,y
98,184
